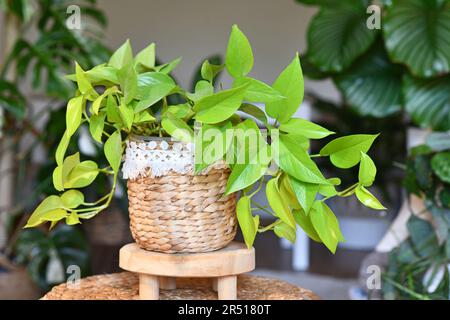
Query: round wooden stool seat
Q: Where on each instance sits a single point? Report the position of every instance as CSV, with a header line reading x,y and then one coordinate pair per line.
x,y
158,270
125,286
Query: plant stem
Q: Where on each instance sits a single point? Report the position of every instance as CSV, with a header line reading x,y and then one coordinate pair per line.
x,y
270,226
261,181
262,208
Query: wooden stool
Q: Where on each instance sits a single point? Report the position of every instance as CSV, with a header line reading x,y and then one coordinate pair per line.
x,y
159,270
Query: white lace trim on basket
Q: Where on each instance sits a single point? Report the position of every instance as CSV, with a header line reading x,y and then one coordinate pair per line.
x,y
158,158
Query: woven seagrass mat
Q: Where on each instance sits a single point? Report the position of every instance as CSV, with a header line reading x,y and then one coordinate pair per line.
x,y
124,286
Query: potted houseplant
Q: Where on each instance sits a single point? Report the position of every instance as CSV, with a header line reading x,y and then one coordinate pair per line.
x,y
186,162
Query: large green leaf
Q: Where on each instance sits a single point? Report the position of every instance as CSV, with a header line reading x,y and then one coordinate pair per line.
x,y
305,128
239,58
219,106
345,152
295,161
372,86
428,101
244,175
148,80
258,91
417,33
338,35
290,84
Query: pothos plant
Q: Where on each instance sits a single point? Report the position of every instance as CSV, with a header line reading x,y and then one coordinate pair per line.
x,y
129,95
418,267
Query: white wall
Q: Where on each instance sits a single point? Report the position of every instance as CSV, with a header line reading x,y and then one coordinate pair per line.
x,y
195,29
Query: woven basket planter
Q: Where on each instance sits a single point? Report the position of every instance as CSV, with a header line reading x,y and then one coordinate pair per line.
x,y
175,211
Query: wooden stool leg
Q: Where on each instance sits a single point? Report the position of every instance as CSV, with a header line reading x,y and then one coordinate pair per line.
x,y
227,287
167,283
214,284
148,287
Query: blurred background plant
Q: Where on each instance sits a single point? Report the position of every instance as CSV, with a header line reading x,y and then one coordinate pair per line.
x,y
419,268
390,61
403,65
38,50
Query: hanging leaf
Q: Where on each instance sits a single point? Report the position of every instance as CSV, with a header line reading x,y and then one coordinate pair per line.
x,y
72,198
73,114
96,125
248,223
305,193
62,148
338,35
113,150
417,33
277,204
304,221
367,170
372,86
368,199
285,231
82,175
428,101
239,58
49,204
72,219
290,84
326,225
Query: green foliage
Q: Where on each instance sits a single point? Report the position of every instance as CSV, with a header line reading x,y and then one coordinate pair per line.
x,y
63,247
422,258
130,94
407,64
